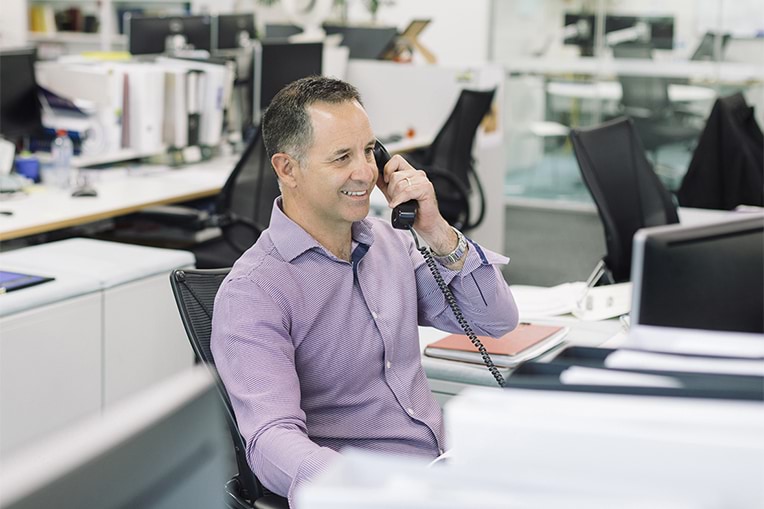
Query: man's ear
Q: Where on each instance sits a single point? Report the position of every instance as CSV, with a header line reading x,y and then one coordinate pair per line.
x,y
285,168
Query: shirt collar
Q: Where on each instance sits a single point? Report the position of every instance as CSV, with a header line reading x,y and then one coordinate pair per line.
x,y
291,240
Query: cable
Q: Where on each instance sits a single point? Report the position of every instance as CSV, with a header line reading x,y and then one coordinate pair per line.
x,y
432,265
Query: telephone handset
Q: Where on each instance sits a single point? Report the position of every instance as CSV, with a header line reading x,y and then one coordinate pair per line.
x,y
404,214
403,218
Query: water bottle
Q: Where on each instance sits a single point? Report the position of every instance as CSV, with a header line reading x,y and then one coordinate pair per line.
x,y
61,152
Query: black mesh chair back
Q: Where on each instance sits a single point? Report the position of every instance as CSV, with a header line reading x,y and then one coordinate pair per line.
x,y
641,95
448,160
625,189
243,207
646,100
727,167
195,292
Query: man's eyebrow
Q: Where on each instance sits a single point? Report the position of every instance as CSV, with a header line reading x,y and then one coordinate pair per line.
x,y
339,152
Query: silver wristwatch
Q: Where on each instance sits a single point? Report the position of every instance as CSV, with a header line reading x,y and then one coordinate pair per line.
x,y
455,255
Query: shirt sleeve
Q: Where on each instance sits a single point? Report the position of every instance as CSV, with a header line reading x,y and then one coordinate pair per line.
x,y
254,356
479,288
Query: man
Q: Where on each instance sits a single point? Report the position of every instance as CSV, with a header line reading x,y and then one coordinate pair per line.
x,y
315,330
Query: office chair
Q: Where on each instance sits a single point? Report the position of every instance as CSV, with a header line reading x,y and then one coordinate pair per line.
x,y
241,210
626,190
727,167
646,100
448,160
195,292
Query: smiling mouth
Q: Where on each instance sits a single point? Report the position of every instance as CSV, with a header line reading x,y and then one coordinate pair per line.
x,y
354,193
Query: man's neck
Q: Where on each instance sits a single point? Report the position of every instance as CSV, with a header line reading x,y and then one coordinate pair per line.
x,y
336,239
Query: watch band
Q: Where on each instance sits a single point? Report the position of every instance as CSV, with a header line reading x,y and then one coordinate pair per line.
x,y
455,255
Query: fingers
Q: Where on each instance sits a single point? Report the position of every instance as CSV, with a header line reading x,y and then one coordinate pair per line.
x,y
407,185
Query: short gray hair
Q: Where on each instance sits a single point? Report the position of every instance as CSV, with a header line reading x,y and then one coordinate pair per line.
x,y
286,123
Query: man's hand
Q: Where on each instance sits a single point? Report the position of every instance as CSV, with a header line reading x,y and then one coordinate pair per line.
x,y
401,182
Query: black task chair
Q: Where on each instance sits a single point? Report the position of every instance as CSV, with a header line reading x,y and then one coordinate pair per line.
x,y
243,207
645,99
448,160
195,292
628,194
241,211
727,168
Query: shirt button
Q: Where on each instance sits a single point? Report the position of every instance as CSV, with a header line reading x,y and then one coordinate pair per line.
x,y
374,315
410,411
441,451
389,364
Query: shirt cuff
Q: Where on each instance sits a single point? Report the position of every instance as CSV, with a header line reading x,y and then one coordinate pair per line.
x,y
310,467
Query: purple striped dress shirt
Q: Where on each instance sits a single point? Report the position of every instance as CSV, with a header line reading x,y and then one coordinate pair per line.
x,y
318,353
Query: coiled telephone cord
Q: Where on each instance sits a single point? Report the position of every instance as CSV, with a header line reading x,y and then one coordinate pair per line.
x,y
432,265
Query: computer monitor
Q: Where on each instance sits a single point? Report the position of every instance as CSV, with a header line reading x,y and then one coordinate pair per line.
x,y
279,63
166,448
369,43
578,30
20,110
153,35
707,277
232,31
281,31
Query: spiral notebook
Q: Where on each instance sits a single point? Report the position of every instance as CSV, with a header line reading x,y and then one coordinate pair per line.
x,y
526,342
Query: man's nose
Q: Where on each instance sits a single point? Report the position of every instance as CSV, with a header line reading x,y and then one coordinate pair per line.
x,y
365,171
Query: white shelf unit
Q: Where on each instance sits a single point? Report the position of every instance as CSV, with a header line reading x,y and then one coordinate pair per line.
x,y
108,37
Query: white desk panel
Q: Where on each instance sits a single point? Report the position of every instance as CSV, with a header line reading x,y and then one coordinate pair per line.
x,y
50,368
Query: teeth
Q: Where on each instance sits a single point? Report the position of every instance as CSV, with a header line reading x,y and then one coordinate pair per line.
x,y
354,193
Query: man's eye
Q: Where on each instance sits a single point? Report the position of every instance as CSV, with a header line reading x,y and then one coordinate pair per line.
x,y
342,158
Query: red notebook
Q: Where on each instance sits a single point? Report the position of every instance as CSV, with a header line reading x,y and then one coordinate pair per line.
x,y
526,342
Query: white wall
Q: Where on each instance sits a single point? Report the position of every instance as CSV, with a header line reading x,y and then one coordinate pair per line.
x,y
458,34
13,23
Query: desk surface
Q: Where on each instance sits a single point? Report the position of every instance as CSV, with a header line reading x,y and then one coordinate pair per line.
x,y
611,91
44,210
725,72
449,377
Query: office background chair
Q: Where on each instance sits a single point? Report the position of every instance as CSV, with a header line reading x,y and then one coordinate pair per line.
x,y
645,99
243,207
448,160
241,211
625,189
195,292
727,167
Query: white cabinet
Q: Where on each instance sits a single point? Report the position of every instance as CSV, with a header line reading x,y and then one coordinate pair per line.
x,y
105,328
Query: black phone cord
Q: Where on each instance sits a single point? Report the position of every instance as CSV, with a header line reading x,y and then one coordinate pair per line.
x,y
432,265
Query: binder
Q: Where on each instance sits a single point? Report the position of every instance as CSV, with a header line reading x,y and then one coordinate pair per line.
x,y
175,124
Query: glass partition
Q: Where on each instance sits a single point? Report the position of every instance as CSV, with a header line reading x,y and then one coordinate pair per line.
x,y
579,63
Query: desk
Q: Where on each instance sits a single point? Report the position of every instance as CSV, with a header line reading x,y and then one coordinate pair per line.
x,y
44,210
448,378
73,346
611,91
724,72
